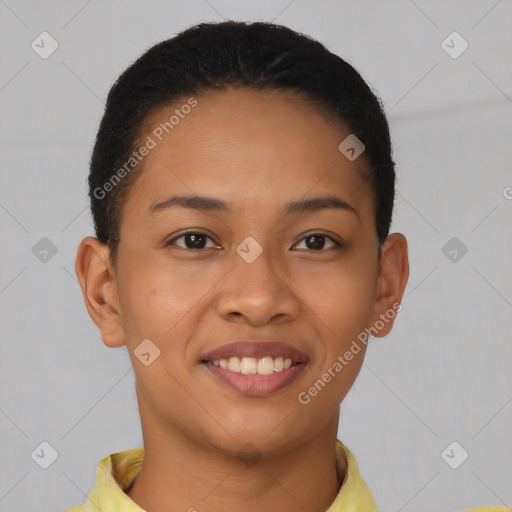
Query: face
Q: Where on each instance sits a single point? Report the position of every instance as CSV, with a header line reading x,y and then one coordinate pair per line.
x,y
278,262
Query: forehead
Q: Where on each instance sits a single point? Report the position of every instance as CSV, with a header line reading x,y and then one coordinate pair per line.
x,y
245,145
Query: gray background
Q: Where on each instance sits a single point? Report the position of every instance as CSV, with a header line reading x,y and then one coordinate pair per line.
x,y
443,374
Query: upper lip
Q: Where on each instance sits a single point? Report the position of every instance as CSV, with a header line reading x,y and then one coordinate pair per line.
x,y
256,349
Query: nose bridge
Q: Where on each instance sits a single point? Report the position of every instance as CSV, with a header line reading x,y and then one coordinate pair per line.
x,y
255,289
253,264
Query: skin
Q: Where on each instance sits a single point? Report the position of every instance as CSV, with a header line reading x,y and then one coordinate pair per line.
x,y
257,151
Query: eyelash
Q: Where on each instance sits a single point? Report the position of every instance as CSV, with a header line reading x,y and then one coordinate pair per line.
x,y
337,245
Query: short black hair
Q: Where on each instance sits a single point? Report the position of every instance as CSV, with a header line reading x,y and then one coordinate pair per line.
x,y
217,55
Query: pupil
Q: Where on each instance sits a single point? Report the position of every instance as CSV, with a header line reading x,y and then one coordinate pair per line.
x,y
196,241
320,241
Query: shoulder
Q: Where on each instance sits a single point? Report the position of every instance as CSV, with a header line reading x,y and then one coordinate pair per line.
x,y
114,474
489,509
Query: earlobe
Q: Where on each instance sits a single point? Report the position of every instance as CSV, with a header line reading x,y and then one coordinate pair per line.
x,y
392,279
97,281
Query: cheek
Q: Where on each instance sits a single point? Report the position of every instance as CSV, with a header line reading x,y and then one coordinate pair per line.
x,y
348,305
156,295
341,297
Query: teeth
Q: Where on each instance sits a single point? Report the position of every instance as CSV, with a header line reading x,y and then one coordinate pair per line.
x,y
265,366
248,365
234,364
252,366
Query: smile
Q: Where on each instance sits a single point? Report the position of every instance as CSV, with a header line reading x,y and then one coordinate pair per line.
x,y
255,368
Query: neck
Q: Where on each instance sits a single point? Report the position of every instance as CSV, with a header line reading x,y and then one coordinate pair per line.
x,y
181,475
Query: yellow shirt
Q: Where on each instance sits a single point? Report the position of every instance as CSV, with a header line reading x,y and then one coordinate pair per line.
x,y
117,471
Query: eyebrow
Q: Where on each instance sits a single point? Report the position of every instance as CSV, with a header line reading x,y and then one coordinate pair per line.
x,y
204,203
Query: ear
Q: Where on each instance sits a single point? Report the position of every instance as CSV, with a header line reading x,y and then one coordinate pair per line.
x,y
98,283
391,282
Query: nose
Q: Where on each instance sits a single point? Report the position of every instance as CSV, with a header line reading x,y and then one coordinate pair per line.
x,y
258,293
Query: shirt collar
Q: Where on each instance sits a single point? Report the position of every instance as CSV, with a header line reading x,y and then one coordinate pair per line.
x,y
117,471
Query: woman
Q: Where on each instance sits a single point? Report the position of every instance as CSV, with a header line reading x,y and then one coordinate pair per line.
x,y
242,189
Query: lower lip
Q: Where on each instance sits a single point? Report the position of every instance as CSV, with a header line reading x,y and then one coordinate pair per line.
x,y
257,385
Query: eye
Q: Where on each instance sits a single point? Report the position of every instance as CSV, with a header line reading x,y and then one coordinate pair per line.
x,y
316,241
192,240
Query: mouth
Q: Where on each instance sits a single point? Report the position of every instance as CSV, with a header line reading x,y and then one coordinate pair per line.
x,y
255,368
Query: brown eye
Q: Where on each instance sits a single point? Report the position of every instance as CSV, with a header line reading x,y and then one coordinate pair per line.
x,y
317,241
192,240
